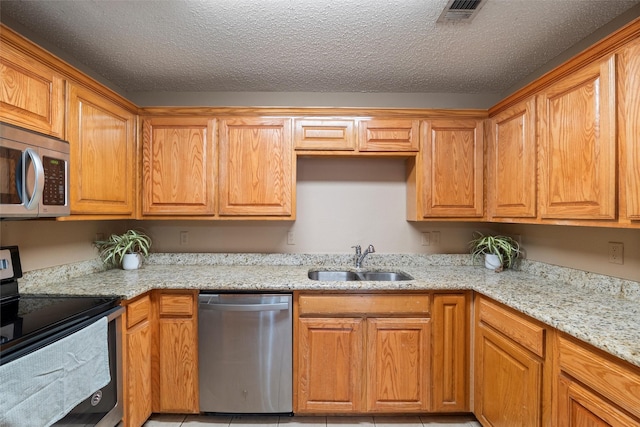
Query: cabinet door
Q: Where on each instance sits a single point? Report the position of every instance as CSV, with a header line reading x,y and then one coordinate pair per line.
x,y
578,406
31,94
629,129
330,365
452,159
137,363
576,119
389,135
177,353
256,167
102,142
508,382
398,353
450,371
511,164
325,135
178,166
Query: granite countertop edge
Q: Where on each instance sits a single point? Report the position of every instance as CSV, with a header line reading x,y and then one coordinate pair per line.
x,y
608,321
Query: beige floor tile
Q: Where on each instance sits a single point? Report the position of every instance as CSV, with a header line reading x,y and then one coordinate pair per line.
x,y
302,421
165,420
397,421
207,420
448,421
350,421
254,421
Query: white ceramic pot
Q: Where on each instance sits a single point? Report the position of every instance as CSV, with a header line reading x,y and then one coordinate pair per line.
x,y
491,261
131,262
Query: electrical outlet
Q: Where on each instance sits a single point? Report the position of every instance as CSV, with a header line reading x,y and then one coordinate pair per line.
x,y
435,238
426,238
291,238
184,238
616,253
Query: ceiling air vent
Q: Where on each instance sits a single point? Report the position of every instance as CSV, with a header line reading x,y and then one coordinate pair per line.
x,y
460,10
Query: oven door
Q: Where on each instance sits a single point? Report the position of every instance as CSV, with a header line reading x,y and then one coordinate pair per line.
x,y
104,407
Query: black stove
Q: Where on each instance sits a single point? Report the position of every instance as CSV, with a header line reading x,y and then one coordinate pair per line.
x,y
30,322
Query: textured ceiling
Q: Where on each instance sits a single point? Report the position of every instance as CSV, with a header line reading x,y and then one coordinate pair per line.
x,y
311,45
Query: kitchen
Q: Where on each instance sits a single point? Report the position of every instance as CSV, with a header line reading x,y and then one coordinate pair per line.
x,y
338,206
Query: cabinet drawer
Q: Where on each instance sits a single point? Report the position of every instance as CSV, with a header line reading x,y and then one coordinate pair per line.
x,y
138,311
387,304
176,305
324,135
611,379
527,334
389,135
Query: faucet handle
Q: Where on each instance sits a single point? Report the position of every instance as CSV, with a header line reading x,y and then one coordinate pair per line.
x,y
358,249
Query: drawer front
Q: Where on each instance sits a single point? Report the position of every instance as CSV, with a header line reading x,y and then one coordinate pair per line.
x,y
138,311
324,135
176,305
527,334
606,376
361,304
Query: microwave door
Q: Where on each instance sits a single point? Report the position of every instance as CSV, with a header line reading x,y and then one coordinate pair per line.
x,y
21,180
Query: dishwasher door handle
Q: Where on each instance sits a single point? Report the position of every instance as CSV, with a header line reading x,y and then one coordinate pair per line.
x,y
245,307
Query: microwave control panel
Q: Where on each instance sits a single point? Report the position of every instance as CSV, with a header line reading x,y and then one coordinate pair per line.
x,y
54,181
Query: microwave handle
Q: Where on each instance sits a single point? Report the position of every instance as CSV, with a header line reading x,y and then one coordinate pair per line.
x,y
38,169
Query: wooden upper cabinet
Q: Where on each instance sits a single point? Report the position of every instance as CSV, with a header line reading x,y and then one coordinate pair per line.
x,y
325,135
103,155
629,130
389,135
452,168
256,167
577,134
31,94
178,164
511,163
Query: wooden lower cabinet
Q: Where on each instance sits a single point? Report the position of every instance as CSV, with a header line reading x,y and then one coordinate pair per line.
x,y
175,373
397,362
330,362
511,368
450,344
372,353
137,361
595,389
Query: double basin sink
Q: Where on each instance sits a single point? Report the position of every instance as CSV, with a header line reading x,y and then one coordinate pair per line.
x,y
350,276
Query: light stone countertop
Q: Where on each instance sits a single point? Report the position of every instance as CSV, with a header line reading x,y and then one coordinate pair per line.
x,y
600,310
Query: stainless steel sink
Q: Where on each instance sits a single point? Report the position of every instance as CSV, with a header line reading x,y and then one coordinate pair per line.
x,y
386,276
333,276
348,276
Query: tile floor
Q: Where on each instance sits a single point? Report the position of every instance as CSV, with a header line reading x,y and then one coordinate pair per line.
x,y
283,421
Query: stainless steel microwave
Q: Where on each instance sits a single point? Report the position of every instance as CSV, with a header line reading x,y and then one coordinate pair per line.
x,y
34,174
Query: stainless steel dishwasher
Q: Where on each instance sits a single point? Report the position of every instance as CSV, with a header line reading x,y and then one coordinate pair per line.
x,y
245,353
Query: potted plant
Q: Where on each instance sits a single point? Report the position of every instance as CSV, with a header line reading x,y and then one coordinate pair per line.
x,y
500,252
126,250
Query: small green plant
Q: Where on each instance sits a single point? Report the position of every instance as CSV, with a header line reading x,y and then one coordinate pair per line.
x,y
113,250
505,248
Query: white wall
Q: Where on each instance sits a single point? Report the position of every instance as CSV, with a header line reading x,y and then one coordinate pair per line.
x,y
340,203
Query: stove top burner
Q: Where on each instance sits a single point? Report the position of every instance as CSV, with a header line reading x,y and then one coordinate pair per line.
x,y
31,318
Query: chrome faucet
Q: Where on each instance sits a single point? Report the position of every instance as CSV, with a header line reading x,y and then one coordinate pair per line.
x,y
360,256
